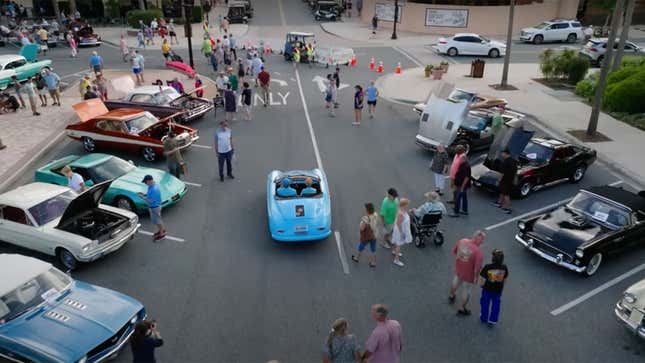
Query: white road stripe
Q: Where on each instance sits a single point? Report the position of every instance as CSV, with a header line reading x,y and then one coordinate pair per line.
x,y
283,19
341,253
597,290
176,239
192,184
311,128
405,54
202,146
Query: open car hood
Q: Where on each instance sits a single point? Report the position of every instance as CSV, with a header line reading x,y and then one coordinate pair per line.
x,y
29,51
511,136
85,201
89,109
441,119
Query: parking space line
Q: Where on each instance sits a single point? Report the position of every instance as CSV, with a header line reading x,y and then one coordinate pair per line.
x,y
597,290
341,253
176,239
192,184
311,128
202,146
407,55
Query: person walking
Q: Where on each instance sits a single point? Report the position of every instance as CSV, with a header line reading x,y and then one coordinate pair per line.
x,y
372,96
233,80
84,85
240,70
101,86
214,62
220,82
330,95
123,45
149,36
174,160
367,233
462,184
52,80
336,78
224,149
30,90
492,278
154,25
374,23
166,49
384,344
359,7
207,46
41,86
137,60
199,87
340,346
230,103
468,263
233,45
75,181
454,166
439,167
171,32
389,210
401,233
246,100
144,340
509,172
358,105
153,199
73,47
96,62
140,39
265,78
257,67
18,88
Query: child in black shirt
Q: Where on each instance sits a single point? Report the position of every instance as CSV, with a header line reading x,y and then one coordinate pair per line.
x,y
492,280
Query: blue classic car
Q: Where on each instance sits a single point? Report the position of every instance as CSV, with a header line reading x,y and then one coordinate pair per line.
x,y
300,216
46,316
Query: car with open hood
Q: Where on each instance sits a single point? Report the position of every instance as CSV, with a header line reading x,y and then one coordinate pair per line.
x,y
134,130
84,35
630,309
302,217
579,235
126,179
474,99
48,317
54,220
541,162
23,65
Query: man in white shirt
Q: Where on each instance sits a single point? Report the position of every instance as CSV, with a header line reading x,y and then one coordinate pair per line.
x,y
221,82
74,180
224,149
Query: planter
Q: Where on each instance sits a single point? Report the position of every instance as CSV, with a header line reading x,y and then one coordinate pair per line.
x,y
427,72
444,67
437,73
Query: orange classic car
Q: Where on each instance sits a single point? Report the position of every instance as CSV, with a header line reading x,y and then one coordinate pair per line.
x,y
129,129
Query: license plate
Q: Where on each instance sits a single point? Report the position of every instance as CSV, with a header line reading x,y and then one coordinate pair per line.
x,y
636,317
300,229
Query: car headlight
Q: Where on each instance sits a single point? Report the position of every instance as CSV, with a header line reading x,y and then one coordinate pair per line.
x,y
133,320
629,298
579,253
521,225
82,360
87,247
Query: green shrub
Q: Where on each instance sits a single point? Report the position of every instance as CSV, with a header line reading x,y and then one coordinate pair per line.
x,y
561,63
577,69
627,95
586,88
197,15
565,65
134,16
547,63
632,60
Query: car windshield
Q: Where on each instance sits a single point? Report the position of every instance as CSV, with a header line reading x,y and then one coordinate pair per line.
x,y
484,39
44,287
541,26
141,122
474,123
111,168
52,208
599,209
458,95
165,96
537,152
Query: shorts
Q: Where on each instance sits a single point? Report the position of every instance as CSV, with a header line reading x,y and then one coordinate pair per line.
x,y
358,107
43,91
136,70
505,187
387,230
328,97
373,103
372,243
96,68
54,92
155,215
466,287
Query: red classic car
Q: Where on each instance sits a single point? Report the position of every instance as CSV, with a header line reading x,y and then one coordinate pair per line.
x,y
125,128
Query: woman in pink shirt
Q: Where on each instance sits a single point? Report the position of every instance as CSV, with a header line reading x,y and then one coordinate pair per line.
x,y
72,44
456,160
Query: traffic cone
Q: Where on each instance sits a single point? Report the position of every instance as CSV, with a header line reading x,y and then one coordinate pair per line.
x,y
380,67
372,64
267,49
353,63
398,68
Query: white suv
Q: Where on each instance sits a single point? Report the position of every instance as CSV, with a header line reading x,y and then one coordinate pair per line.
x,y
569,31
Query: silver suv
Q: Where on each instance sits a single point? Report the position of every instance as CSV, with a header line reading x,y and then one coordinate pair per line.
x,y
596,47
557,30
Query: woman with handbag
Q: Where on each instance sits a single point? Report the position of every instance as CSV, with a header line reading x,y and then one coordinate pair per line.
x,y
368,225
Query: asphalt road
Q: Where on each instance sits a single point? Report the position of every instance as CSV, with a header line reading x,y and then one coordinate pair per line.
x,y
228,293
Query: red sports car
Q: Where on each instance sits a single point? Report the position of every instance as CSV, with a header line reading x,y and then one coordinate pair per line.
x,y
130,129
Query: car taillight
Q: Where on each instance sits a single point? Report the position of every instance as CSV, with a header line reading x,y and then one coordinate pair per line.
x,y
526,173
593,49
281,231
443,42
321,228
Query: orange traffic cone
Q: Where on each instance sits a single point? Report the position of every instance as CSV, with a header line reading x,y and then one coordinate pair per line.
x,y
372,64
267,49
353,63
380,67
398,68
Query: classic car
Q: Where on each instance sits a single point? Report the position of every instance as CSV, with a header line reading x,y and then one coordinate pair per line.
x,y
475,100
580,234
126,179
131,129
299,218
56,221
48,317
236,13
542,162
22,66
84,35
630,309
163,101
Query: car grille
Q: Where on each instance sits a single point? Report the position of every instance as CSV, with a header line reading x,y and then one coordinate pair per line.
x,y
550,250
110,342
523,33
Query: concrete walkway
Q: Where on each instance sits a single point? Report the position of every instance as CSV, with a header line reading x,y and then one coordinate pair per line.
x,y
559,111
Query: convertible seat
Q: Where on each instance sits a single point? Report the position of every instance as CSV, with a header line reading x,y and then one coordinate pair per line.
x,y
286,192
308,192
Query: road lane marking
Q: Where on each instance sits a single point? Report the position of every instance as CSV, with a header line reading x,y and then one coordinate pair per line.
x,y
202,146
597,290
410,57
341,253
311,128
192,184
556,204
283,19
176,239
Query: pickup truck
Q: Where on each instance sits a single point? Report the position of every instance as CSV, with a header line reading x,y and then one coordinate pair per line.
x,y
163,101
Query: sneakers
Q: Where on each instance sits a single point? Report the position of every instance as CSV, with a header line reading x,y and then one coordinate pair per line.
x,y
231,176
451,299
354,258
464,312
507,210
398,263
158,237
385,245
394,254
356,123
497,204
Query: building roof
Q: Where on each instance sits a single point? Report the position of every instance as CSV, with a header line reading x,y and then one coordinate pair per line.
x,y
31,194
17,269
633,201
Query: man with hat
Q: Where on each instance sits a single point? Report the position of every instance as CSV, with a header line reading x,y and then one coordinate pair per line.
x,y
509,171
153,199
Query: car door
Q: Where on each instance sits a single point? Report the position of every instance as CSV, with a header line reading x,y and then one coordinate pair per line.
x,y
460,43
561,165
17,228
20,66
551,32
478,46
629,235
111,133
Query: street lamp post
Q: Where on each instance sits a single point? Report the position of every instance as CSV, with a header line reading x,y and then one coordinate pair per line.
x,y
396,17
188,29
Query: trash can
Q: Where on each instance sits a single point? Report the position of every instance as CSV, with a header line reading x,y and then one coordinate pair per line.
x,y
477,68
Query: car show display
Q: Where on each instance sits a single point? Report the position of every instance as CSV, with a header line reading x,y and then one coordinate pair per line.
x,y
23,65
630,309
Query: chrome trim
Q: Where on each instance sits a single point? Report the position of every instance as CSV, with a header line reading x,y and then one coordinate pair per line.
x,y
636,329
547,257
108,247
116,349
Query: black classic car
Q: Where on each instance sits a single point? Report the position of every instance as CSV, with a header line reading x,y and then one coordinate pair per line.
x,y
542,162
578,235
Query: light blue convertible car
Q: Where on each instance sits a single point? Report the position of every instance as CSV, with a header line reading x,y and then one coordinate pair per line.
x,y
298,212
46,316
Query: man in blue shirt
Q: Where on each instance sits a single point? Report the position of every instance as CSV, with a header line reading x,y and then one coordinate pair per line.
x,y
372,96
52,80
153,199
96,62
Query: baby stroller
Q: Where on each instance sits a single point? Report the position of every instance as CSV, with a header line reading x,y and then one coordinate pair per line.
x,y
427,229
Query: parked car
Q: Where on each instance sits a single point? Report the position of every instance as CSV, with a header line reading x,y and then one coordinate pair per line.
x,y
579,235
130,129
326,11
48,317
84,35
56,221
23,65
299,218
237,13
126,179
164,101
470,44
595,49
475,100
630,309
542,162
556,30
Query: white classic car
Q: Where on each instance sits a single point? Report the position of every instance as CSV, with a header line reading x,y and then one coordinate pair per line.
x,y
54,220
630,309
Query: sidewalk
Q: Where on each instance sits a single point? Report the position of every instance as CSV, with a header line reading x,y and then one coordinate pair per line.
x,y
29,137
559,111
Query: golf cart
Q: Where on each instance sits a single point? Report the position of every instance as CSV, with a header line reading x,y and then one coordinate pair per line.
x,y
327,11
237,13
296,39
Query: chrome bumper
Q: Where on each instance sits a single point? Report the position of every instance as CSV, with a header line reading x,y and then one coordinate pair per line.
x,y
548,257
109,247
638,329
198,114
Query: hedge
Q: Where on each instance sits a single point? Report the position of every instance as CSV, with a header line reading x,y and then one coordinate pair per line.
x,y
566,65
134,16
628,94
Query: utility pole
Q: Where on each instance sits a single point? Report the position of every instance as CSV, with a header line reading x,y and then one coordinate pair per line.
x,y
604,70
509,40
396,17
629,12
188,29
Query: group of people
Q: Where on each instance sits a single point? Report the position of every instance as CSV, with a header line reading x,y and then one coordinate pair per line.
x,y
369,94
147,32
93,88
37,88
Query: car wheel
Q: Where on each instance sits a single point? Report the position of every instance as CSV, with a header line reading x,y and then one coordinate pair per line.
x,y
88,144
493,53
600,60
438,238
572,38
593,264
525,188
148,154
538,39
67,259
453,52
317,18
125,203
578,174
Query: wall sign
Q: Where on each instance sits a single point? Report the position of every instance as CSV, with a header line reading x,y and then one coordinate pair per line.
x,y
385,12
452,18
